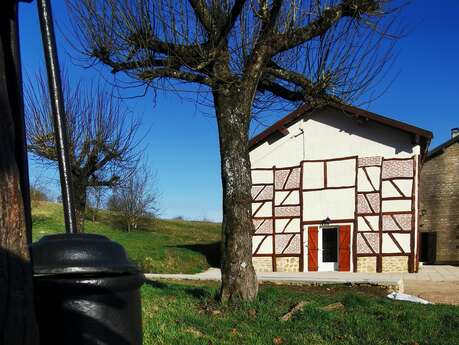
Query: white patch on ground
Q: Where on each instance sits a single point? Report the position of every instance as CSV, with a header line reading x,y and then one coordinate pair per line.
x,y
397,296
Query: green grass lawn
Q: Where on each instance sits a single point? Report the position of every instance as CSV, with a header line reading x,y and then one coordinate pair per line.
x,y
182,314
166,246
188,314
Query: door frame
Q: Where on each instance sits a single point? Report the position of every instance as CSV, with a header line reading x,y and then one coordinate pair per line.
x,y
319,253
327,266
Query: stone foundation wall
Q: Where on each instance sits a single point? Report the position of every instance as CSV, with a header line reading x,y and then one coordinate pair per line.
x,y
288,264
395,264
262,264
389,264
366,264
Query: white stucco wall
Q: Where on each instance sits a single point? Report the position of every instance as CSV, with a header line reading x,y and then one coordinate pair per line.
x,y
389,247
372,220
331,203
266,246
374,173
262,176
329,134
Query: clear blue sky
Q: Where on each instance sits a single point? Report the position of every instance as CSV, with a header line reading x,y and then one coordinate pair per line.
x,y
182,142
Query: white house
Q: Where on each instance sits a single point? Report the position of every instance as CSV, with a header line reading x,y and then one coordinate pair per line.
x,y
336,189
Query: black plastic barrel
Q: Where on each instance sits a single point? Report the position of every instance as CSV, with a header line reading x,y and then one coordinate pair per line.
x,y
87,292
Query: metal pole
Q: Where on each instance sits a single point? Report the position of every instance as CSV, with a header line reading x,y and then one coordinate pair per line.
x,y
57,104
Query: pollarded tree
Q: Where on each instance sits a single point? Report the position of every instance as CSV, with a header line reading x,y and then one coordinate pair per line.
x,y
245,53
102,137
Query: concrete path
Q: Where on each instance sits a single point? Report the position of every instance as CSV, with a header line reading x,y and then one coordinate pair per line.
x,y
435,273
395,281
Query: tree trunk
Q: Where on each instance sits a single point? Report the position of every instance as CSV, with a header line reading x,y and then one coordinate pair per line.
x,y
238,275
17,315
17,321
79,194
97,197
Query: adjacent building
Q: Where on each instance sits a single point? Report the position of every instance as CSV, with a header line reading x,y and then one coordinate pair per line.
x,y
439,209
336,189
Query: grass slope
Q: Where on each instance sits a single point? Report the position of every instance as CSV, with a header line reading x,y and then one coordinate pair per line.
x,y
186,314
167,246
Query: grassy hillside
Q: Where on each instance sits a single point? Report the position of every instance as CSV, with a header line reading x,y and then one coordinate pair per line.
x,y
167,246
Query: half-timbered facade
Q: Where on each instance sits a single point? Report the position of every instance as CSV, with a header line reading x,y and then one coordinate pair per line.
x,y
336,189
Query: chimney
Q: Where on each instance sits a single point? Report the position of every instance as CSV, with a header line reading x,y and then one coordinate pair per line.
x,y
454,132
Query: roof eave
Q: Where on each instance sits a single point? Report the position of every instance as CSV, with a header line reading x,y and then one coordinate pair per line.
x,y
441,148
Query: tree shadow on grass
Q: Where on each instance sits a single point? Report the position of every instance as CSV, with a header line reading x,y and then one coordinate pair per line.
x,y
212,251
170,288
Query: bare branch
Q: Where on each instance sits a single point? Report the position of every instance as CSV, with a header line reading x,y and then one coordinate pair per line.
x,y
281,91
231,20
329,17
205,16
262,49
175,74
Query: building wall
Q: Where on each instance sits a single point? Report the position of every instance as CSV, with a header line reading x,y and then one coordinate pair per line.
x,y
329,134
332,166
439,197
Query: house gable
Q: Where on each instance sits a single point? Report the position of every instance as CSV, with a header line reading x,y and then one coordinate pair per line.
x,y
327,134
420,136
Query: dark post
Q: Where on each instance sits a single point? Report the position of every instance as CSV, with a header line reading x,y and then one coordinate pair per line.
x,y
57,104
86,290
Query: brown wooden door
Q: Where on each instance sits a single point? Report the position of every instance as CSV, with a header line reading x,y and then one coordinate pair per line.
x,y
344,249
313,248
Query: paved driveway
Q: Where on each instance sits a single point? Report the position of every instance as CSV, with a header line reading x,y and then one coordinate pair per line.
x,y
438,284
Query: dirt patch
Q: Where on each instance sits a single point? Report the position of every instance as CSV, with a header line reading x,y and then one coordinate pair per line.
x,y
324,289
365,289
436,292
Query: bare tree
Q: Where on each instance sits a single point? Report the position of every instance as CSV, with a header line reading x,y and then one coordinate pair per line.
x,y
133,199
38,192
245,54
95,199
102,137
